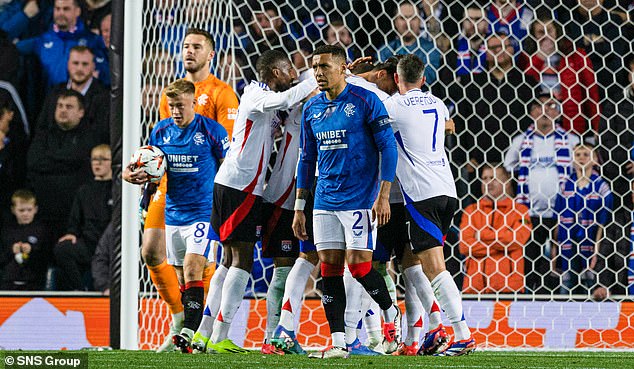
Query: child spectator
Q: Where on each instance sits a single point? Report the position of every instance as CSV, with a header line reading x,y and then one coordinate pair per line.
x,y
89,218
493,233
584,207
24,246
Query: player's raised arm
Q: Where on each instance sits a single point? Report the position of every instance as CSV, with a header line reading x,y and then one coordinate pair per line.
x,y
278,94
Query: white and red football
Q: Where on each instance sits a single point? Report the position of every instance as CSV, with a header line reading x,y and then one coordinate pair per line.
x,y
152,160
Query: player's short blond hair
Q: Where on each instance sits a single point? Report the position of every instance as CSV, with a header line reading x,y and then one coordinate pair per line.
x,y
180,87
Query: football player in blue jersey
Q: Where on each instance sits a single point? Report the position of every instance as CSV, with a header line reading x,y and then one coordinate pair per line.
x,y
194,147
345,129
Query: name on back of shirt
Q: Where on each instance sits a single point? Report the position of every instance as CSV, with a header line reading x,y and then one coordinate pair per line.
x,y
419,100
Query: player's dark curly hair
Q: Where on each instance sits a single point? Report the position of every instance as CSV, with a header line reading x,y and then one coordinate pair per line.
x,y
268,61
337,52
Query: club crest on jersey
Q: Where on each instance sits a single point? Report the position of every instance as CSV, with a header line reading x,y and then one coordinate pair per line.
x,y
287,245
199,138
202,99
349,109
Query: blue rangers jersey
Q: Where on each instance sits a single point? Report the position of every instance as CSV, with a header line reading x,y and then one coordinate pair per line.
x,y
193,156
344,136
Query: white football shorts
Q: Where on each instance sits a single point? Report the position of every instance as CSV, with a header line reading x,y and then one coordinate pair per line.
x,y
190,239
344,229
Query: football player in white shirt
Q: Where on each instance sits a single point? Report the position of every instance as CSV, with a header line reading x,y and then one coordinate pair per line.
x,y
238,188
393,238
428,188
278,240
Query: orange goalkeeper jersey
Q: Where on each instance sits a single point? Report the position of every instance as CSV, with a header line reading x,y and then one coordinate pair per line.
x,y
214,99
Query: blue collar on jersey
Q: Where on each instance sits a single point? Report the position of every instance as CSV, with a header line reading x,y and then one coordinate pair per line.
x,y
262,85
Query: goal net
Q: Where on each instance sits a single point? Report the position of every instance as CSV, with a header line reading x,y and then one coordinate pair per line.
x,y
488,63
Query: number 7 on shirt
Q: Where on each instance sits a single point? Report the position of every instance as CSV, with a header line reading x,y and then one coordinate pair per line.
x,y
435,112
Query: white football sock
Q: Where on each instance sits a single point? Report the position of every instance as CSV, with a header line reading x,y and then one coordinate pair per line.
x,y
449,297
178,319
294,292
338,339
354,297
214,296
274,300
372,319
232,294
391,286
413,312
422,287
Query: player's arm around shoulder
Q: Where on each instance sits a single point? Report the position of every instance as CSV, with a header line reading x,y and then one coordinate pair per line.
x,y
269,100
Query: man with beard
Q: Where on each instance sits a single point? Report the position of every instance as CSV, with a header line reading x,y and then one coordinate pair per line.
x,y
216,100
52,48
411,40
81,67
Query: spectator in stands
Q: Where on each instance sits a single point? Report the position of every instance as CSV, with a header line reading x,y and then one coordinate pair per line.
x,y
267,31
493,233
81,68
58,160
470,44
491,106
104,29
555,66
96,10
604,36
337,33
89,217
541,160
8,55
52,47
411,40
159,64
584,208
511,17
25,18
103,261
615,262
151,100
239,76
24,246
13,146
616,139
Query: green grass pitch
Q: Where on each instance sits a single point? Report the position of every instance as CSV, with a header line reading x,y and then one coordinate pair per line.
x,y
479,359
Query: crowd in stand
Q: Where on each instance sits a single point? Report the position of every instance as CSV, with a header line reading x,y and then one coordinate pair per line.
x,y
541,93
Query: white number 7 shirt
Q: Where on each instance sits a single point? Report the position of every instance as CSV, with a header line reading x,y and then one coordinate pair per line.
x,y
418,121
